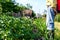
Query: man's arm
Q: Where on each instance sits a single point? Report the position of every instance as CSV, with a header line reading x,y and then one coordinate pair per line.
x,y
55,12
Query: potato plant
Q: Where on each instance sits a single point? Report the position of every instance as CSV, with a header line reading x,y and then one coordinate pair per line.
x,y
12,28
18,28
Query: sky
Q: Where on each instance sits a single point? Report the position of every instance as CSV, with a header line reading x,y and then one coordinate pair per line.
x,y
37,5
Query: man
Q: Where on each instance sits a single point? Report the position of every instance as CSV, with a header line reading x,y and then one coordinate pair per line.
x,y
51,12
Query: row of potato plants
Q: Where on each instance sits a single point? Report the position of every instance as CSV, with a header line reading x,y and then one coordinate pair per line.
x,y
23,28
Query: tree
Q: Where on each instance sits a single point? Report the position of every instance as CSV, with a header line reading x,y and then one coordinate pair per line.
x,y
0,8
33,14
7,5
29,6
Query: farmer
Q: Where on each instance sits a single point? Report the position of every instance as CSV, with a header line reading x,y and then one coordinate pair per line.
x,y
50,15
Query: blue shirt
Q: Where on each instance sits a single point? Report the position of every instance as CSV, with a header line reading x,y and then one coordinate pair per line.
x,y
50,18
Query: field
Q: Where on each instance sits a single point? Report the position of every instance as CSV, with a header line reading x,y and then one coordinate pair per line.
x,y
12,28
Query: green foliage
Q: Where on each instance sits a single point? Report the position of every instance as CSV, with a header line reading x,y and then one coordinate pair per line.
x,y
5,0
57,34
9,6
29,6
12,28
19,28
57,18
33,14
0,8
41,26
